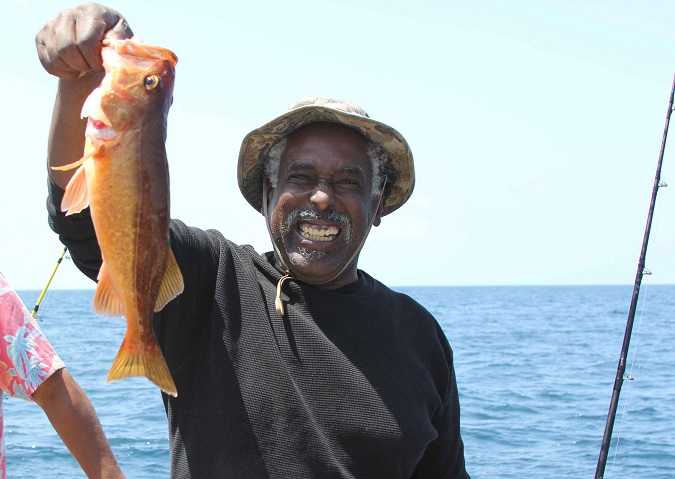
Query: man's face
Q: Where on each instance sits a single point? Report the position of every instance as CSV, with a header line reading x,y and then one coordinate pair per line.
x,y
322,207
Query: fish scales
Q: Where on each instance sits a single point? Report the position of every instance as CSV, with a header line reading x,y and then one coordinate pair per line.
x,y
123,177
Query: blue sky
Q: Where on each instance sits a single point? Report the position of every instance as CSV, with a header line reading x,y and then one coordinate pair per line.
x,y
535,127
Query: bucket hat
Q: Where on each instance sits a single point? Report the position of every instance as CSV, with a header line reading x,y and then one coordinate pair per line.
x,y
256,145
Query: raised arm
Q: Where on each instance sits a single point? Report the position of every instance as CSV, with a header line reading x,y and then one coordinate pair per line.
x,y
69,47
74,419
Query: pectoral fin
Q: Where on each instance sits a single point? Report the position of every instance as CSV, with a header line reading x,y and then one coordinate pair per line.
x,y
76,197
70,166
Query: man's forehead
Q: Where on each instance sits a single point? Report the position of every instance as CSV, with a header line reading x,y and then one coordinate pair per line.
x,y
329,137
323,128
326,145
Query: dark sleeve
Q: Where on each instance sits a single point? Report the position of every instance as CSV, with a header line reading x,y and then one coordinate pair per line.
x,y
76,232
444,457
180,326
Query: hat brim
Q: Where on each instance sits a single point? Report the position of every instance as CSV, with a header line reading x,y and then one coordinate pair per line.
x,y
256,145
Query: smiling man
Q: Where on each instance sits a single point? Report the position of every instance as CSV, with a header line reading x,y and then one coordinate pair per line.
x,y
322,203
292,363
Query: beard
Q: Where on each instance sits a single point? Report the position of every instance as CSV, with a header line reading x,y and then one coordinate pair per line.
x,y
303,256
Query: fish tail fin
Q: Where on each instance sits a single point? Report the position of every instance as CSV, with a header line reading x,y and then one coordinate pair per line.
x,y
106,299
172,282
136,360
76,197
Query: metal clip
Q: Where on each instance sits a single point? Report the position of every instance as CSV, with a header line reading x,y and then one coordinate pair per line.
x,y
628,377
646,271
663,184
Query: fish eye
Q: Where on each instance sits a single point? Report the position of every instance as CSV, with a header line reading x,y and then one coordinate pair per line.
x,y
152,82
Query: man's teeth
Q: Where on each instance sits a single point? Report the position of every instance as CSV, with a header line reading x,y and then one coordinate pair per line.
x,y
318,234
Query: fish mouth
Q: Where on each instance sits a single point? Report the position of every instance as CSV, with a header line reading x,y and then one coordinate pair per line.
x,y
99,130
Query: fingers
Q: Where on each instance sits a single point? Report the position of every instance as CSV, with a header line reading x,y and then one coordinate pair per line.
x,y
70,45
120,28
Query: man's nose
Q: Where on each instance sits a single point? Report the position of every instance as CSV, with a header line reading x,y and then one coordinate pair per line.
x,y
323,196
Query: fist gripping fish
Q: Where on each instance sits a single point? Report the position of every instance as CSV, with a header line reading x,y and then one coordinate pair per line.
x,y
123,177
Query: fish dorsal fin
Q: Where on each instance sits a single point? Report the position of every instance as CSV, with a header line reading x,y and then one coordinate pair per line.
x,y
172,282
106,299
76,197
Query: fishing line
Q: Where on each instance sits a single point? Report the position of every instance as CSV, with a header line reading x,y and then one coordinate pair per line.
x,y
629,376
641,271
49,281
637,335
44,310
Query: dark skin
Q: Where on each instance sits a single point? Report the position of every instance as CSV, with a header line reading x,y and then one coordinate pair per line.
x,y
325,169
74,419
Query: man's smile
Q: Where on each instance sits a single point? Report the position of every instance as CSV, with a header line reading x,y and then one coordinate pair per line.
x,y
314,232
313,227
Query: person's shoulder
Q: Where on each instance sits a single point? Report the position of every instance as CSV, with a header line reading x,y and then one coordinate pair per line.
x,y
192,237
187,241
178,228
403,301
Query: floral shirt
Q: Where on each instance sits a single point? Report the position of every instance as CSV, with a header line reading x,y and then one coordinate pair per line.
x,y
26,357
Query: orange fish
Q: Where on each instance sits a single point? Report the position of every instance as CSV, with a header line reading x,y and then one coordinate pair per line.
x,y
123,177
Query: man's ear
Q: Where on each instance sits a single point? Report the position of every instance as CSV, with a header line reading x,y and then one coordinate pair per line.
x,y
378,214
269,191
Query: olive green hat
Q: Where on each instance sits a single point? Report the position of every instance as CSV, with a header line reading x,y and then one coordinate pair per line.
x,y
256,145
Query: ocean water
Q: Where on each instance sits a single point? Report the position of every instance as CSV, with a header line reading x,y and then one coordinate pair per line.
x,y
535,369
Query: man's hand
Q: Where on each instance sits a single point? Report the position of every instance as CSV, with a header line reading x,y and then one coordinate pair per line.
x,y
69,46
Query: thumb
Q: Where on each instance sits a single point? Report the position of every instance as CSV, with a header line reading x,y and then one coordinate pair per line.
x,y
117,26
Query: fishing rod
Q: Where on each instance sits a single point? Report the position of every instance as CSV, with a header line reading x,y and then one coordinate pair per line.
x,y
42,295
621,369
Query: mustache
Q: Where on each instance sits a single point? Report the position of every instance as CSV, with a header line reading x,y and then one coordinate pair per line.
x,y
297,216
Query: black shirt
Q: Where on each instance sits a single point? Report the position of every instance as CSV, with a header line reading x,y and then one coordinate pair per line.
x,y
351,383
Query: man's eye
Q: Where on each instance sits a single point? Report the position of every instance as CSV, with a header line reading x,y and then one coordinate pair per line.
x,y
299,177
348,183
